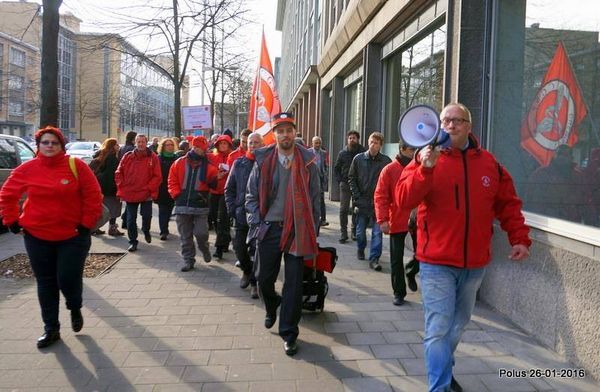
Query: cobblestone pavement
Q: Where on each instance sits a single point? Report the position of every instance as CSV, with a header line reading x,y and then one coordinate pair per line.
x,y
150,327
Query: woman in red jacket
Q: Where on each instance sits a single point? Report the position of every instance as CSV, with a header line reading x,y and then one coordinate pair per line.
x,y
63,203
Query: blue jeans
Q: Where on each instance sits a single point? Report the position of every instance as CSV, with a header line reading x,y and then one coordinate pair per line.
x,y
132,211
448,295
376,236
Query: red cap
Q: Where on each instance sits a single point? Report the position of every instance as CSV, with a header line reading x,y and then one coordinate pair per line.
x,y
200,142
49,129
283,118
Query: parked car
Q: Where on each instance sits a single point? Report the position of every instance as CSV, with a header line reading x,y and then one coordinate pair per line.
x,y
13,152
84,150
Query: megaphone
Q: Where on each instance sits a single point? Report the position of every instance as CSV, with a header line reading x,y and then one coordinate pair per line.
x,y
419,126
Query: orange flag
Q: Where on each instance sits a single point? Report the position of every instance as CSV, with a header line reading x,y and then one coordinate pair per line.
x,y
556,112
264,102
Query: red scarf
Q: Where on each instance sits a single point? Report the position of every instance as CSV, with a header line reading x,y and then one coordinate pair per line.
x,y
299,236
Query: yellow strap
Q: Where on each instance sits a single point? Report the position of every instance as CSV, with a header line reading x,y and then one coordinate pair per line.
x,y
73,167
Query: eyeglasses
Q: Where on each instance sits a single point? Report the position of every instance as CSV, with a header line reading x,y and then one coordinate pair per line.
x,y
456,121
49,143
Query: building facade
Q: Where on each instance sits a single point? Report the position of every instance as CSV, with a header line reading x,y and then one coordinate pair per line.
x,y
105,86
529,73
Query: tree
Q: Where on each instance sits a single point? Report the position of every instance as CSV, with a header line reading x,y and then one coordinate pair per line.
x,y
174,29
49,90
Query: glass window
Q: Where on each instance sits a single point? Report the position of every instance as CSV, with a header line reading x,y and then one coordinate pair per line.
x,y
25,152
414,75
17,57
545,115
354,97
8,157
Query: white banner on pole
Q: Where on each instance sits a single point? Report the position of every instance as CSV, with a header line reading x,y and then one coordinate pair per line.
x,y
196,117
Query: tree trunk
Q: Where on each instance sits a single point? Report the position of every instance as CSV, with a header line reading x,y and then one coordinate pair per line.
x,y
49,88
177,109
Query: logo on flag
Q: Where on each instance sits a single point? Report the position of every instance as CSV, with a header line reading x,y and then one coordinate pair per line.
x,y
264,102
555,112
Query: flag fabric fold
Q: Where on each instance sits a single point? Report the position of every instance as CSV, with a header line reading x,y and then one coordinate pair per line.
x,y
556,111
264,102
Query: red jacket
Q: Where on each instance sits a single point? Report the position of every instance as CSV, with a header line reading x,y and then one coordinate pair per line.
x,y
237,153
56,201
386,209
217,158
177,177
458,200
138,176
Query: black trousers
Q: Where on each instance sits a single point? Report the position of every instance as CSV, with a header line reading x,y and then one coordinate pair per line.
x,y
222,226
165,210
243,251
397,262
345,199
58,267
146,213
267,269
323,208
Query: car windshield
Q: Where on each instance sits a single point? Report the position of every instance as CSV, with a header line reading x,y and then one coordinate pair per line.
x,y
81,146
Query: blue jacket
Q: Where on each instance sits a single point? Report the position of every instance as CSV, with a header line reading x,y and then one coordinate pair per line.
x,y
235,189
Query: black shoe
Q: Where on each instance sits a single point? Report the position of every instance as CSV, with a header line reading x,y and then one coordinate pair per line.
x,y
147,237
132,247
76,320
245,281
218,254
226,250
187,266
455,386
360,254
412,282
291,348
253,292
163,237
206,256
48,338
343,239
398,300
374,264
324,223
124,225
270,318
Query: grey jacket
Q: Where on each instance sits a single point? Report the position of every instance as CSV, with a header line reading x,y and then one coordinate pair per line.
x,y
323,167
252,191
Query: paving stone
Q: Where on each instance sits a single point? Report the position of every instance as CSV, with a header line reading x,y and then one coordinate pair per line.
x,y
330,385
229,357
380,367
205,374
153,358
159,375
371,384
294,371
402,337
388,351
411,384
414,366
188,358
344,353
274,386
250,372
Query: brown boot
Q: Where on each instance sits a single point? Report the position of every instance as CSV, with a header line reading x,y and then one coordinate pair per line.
x,y
113,230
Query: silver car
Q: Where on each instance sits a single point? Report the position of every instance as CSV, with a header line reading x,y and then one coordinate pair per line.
x,y
84,150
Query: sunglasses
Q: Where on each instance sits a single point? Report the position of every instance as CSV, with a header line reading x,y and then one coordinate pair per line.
x,y
49,143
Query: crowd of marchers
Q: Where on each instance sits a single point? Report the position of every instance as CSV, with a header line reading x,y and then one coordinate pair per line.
x,y
274,197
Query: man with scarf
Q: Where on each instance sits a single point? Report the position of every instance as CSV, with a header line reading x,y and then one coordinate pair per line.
x,y
282,205
235,199
190,179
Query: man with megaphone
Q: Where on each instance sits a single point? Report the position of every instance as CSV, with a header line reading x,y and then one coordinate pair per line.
x,y
459,191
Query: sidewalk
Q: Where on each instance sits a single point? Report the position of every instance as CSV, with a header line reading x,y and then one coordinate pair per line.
x,y
150,327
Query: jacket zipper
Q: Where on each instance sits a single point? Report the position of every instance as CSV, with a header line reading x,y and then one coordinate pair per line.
x,y
466,179
190,186
456,196
426,229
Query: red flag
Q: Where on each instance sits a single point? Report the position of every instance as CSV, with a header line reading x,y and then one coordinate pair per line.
x,y
556,111
264,102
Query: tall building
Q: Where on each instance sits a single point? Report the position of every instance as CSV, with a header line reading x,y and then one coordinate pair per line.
x,y
376,58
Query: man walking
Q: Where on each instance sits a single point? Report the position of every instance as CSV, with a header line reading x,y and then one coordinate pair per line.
x,y
190,179
322,161
459,192
362,177
340,173
235,199
138,178
393,220
282,203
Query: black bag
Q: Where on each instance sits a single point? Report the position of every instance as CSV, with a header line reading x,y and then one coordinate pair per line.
x,y
314,289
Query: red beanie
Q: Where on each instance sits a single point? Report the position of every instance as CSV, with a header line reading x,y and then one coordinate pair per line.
x,y
200,142
49,129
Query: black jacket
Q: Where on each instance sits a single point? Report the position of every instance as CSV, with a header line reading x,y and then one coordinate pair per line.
x,y
125,149
362,177
235,189
106,174
163,192
343,162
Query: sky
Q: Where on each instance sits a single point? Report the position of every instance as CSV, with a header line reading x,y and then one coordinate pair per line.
x,y
94,12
